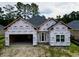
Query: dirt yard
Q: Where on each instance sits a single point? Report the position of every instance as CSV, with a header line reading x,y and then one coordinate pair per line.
x,y
23,51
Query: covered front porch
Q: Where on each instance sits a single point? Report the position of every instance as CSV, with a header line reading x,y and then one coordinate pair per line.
x,y
43,37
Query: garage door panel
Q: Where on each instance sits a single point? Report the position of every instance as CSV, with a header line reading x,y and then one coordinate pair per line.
x,y
21,38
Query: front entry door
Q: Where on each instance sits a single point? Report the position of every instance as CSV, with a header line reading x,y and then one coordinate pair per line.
x,y
43,36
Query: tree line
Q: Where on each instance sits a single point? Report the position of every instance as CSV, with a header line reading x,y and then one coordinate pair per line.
x,y
19,10
74,15
10,13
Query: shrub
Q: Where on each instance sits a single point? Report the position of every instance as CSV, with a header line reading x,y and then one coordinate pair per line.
x,y
1,37
1,46
1,42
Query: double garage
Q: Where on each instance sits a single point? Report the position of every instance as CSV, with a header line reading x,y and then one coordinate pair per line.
x,y
20,31
21,38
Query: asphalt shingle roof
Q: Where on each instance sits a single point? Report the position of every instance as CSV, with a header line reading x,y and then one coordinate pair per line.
x,y
74,24
37,20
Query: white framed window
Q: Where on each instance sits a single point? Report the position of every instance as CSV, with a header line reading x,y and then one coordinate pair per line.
x,y
60,38
57,38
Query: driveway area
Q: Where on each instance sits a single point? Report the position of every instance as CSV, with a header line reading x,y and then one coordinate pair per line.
x,y
42,50
23,51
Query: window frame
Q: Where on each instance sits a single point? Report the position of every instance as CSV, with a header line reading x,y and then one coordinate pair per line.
x,y
57,27
57,39
15,27
21,26
60,38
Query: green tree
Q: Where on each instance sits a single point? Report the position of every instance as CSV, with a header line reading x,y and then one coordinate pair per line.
x,y
9,11
1,16
27,10
1,13
65,18
59,17
9,15
70,17
77,15
34,9
73,15
19,6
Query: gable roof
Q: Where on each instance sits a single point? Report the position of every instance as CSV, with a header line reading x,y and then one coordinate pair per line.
x,y
20,18
57,23
47,21
74,24
35,21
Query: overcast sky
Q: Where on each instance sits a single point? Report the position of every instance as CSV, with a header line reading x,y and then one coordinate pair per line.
x,y
52,9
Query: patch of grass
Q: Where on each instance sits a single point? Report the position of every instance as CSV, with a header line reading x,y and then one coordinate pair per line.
x,y
1,46
55,51
1,37
58,52
1,42
73,48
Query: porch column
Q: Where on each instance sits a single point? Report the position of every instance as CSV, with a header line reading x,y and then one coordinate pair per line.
x,y
7,40
35,39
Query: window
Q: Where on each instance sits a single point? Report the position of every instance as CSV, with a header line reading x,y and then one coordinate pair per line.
x,y
62,38
15,26
57,38
57,27
27,26
63,27
21,26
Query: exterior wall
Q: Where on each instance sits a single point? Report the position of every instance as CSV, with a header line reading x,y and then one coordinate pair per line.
x,y
44,28
20,27
59,29
47,25
75,33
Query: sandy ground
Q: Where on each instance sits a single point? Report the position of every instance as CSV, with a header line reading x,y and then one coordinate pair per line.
x,y
28,50
23,51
